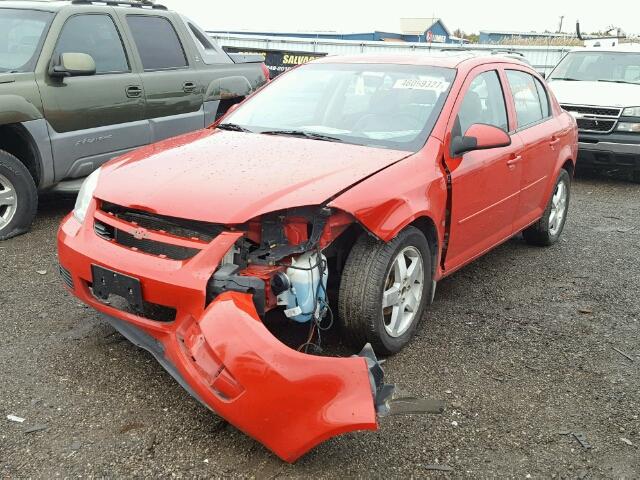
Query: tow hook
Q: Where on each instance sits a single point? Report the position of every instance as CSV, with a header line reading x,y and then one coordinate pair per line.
x,y
389,400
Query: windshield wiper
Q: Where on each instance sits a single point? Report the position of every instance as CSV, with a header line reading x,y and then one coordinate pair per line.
x,y
233,127
302,133
618,81
567,79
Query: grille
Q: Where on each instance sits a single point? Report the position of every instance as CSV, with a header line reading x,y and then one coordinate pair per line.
x,y
602,111
595,119
174,226
603,126
175,252
66,277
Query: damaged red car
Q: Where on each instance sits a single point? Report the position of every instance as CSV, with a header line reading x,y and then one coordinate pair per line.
x,y
344,190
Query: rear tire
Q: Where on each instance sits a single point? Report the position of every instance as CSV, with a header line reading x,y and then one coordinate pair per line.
x,y
18,197
548,229
396,274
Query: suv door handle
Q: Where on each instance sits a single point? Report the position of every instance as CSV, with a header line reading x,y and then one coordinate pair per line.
x,y
554,141
189,87
134,91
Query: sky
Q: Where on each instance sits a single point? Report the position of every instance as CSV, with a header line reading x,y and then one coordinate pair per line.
x,y
363,15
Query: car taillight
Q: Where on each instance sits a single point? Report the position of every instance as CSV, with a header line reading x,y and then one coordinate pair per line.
x,y
265,70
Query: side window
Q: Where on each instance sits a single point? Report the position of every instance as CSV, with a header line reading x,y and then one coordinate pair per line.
x,y
157,42
483,103
95,35
529,108
544,99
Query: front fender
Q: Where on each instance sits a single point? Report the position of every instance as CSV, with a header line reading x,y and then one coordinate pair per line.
x,y
388,201
16,109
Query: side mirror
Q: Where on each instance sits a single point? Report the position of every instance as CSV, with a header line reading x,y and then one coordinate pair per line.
x,y
72,65
480,137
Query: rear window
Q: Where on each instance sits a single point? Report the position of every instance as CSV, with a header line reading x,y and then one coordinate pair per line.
x,y
157,42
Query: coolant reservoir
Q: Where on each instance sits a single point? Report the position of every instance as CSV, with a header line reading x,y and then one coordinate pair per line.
x,y
305,295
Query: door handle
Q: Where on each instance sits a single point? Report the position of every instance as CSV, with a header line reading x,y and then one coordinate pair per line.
x,y
189,87
134,91
514,160
554,141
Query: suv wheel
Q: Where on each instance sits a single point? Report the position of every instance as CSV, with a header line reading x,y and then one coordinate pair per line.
x,y
384,290
18,197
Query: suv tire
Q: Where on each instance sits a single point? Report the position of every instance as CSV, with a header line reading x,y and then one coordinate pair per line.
x,y
18,197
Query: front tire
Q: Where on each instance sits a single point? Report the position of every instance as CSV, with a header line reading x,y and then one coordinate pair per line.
x,y
18,197
548,229
384,290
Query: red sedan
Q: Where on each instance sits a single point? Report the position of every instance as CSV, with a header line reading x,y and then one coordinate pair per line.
x,y
368,177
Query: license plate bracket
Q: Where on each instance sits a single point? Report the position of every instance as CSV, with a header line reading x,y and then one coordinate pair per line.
x,y
107,282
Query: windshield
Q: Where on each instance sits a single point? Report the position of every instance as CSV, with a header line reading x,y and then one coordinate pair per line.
x,y
21,34
599,67
392,106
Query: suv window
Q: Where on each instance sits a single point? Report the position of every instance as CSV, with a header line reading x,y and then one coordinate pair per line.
x,y
95,35
21,34
524,89
157,42
483,103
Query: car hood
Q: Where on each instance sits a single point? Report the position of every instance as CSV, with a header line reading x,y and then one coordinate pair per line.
x,y
232,177
600,94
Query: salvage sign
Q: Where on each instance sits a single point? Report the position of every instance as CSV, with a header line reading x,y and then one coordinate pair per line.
x,y
278,61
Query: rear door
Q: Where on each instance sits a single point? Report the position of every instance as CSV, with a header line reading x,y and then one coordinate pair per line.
x,y
536,128
485,184
173,93
92,119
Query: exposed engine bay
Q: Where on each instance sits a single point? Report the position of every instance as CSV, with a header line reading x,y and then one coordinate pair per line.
x,y
280,261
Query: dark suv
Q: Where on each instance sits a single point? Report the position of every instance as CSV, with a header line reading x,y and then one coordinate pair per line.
x,y
83,82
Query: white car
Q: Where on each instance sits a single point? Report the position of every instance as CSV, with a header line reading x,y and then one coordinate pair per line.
x,y
600,87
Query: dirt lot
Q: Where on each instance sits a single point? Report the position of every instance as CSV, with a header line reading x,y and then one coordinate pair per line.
x,y
522,344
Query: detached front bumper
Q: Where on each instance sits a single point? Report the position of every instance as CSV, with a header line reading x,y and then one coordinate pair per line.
x,y
223,354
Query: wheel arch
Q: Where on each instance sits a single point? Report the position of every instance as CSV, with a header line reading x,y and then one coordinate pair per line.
x,y
16,140
428,227
569,166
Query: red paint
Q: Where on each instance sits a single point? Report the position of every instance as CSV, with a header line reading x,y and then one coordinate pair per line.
x,y
232,177
287,400
488,136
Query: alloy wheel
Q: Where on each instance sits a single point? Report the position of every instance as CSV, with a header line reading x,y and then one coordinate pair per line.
x,y
403,291
8,201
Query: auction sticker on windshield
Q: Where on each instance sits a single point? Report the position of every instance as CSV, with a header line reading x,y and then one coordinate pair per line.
x,y
422,84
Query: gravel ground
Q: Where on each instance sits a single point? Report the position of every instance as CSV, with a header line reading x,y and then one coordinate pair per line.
x,y
522,345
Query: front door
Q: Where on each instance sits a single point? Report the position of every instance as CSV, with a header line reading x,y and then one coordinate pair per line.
x,y
174,94
485,184
93,119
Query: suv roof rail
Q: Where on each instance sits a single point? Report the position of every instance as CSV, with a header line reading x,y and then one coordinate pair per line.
x,y
121,3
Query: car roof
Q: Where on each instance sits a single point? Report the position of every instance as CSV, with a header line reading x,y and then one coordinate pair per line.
x,y
453,59
56,5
